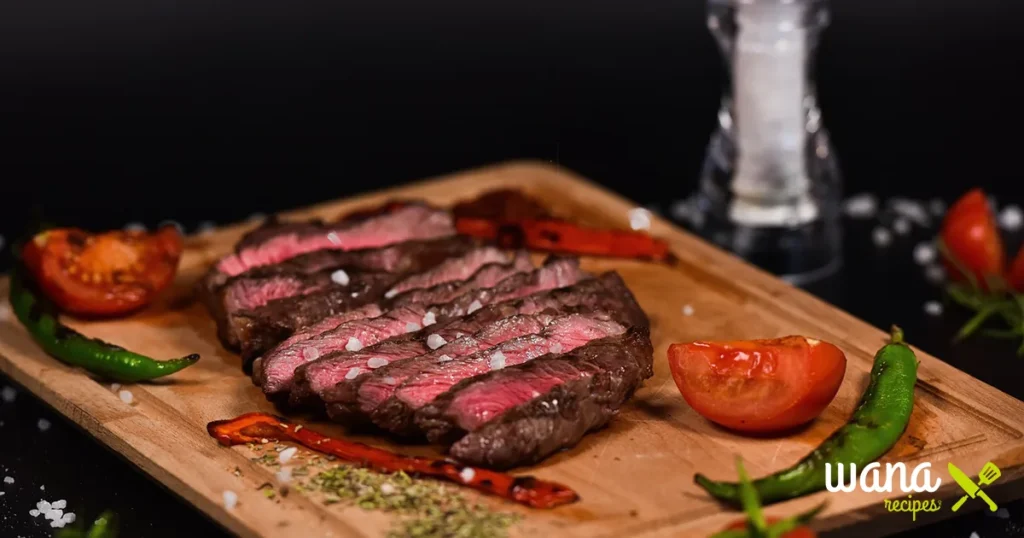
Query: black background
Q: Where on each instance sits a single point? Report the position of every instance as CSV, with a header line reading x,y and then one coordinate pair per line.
x,y
118,111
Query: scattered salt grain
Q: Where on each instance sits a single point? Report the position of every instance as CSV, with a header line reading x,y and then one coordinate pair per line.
x,y
435,341
8,394
43,424
230,499
474,306
556,347
387,489
861,206
353,373
57,523
497,361
43,506
310,353
412,327
901,226
126,396
115,387
687,310
937,207
284,475
974,535
390,293
911,210
54,514
2,493
935,273
340,277
377,362
287,454
61,504
881,237
69,518
467,474
42,488
1011,218
924,253
135,227
8,480
333,238
933,308
355,294
444,358
33,512
429,319
353,344
639,218
390,381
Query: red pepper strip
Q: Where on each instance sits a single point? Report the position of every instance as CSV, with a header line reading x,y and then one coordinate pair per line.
x,y
561,236
252,427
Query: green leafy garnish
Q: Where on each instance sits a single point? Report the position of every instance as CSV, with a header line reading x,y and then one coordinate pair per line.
x,y
757,525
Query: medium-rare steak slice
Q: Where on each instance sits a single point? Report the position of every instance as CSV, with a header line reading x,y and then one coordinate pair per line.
x,y
556,272
522,414
366,393
486,277
565,334
259,331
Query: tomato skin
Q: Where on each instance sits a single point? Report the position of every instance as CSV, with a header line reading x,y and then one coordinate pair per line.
x,y
107,274
970,234
1016,274
799,532
758,386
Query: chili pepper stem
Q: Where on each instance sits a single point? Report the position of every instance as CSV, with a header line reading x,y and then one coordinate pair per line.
x,y
896,335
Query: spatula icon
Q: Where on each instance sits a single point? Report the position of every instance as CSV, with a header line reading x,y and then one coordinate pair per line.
x,y
989,473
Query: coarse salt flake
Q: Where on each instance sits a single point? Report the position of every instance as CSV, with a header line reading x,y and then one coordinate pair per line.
x,y
230,499
467,474
115,387
61,504
881,237
390,381
126,396
310,353
284,475
54,514
287,454
69,518
33,512
42,488
353,344
687,310
474,306
556,347
333,238
429,319
43,424
912,210
639,218
901,226
861,206
412,327
497,361
1011,218
340,277
924,253
387,489
444,358
8,480
353,373
8,394
390,293
435,341
935,273
355,294
377,362
43,506
933,308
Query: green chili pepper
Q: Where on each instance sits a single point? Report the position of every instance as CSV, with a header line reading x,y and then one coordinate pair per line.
x,y
880,419
104,526
39,316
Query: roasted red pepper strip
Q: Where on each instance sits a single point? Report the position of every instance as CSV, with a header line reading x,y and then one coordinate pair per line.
x,y
555,235
251,427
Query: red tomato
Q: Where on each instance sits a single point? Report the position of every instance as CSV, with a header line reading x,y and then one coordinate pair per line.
x,y
969,232
103,274
799,532
1016,275
758,385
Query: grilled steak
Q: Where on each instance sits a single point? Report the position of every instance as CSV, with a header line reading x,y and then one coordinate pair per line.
x,y
365,394
486,277
522,414
452,269
556,272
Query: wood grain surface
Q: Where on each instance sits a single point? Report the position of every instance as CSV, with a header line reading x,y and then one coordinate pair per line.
x,y
635,476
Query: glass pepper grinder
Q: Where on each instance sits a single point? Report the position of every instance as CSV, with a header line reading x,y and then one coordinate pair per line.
x,y
769,189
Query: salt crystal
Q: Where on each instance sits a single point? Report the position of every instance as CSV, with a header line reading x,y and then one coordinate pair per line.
x,y
62,504
310,353
912,210
230,499
639,219
974,535
8,394
57,523
435,341
353,344
924,253
901,226
377,362
8,480
933,308
355,294
429,319
284,475
1011,218
556,347
287,454
881,237
55,514
411,327
2,493
33,512
43,506
333,238
353,373
937,207
43,424
340,277
69,518
935,273
497,361
387,489
474,306
444,358
115,387
135,227
861,206
126,396
467,474
390,381
687,310
390,293
42,488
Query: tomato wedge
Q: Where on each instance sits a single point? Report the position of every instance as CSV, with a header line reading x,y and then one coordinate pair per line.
x,y
1016,275
758,385
106,274
970,234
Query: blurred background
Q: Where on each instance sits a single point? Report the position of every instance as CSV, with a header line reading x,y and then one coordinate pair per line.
x,y
114,111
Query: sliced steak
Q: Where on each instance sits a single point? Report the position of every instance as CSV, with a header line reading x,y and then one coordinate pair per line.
x,y
556,272
366,394
487,276
522,414
565,334
452,269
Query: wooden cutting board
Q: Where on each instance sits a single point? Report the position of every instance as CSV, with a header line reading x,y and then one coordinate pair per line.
x,y
635,477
